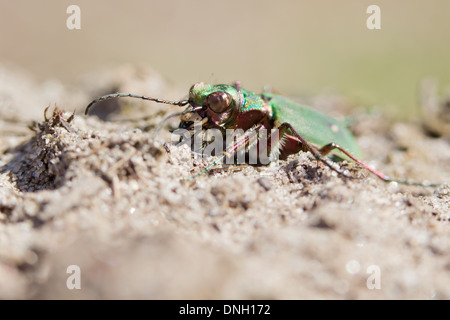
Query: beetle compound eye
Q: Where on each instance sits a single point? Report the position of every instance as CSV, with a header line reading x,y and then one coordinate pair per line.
x,y
218,101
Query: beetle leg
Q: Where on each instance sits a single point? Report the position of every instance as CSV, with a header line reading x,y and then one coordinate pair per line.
x,y
249,139
331,146
307,146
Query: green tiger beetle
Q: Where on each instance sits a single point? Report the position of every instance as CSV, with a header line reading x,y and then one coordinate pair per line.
x,y
299,128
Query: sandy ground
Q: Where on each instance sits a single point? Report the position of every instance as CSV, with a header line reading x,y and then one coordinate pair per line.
x,y
108,197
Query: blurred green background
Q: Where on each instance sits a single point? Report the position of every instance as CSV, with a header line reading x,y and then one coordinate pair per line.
x,y
299,47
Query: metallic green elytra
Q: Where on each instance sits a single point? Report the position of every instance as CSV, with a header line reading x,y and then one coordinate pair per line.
x,y
299,128
314,126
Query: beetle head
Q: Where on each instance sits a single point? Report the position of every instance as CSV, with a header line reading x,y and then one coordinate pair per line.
x,y
214,105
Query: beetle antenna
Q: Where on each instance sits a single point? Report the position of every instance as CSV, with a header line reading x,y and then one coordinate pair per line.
x,y
131,95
